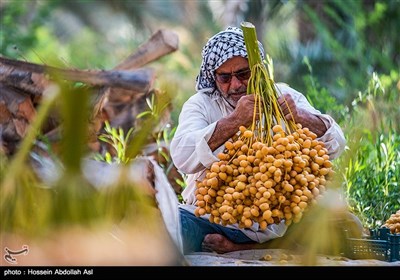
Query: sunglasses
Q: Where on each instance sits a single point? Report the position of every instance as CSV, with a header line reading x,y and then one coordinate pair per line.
x,y
241,75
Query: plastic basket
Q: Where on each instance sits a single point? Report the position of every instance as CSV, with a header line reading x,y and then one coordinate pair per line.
x,y
381,245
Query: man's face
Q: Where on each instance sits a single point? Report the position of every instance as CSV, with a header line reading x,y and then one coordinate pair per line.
x,y
232,77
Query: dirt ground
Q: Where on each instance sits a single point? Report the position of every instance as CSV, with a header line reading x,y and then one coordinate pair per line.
x,y
276,257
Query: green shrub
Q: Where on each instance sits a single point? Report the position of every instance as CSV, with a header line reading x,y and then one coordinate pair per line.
x,y
370,166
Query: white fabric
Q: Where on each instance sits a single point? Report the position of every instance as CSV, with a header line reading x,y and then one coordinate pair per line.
x,y
192,155
168,204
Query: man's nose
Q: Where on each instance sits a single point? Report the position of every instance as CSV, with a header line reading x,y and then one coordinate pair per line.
x,y
235,82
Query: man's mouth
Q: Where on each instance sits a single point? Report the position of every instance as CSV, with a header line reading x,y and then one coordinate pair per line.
x,y
237,93
236,96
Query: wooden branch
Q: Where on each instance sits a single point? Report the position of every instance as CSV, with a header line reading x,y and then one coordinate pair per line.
x,y
139,80
20,80
160,44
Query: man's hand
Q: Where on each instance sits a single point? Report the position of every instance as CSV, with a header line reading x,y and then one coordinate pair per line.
x,y
228,126
293,113
289,109
244,110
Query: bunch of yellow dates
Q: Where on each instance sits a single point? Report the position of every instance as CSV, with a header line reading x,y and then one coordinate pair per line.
x,y
264,182
393,223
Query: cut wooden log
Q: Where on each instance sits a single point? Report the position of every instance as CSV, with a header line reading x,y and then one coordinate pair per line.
x,y
118,106
160,44
17,73
16,112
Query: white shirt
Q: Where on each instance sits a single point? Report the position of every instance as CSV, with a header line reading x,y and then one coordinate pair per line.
x,y
192,155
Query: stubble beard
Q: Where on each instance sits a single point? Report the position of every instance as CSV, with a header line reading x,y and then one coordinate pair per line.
x,y
236,93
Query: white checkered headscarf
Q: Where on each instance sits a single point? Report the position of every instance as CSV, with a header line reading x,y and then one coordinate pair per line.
x,y
219,48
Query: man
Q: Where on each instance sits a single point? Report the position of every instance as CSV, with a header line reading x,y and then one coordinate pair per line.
x,y
211,117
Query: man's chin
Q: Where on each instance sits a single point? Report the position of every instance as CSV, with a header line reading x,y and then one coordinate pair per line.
x,y
235,97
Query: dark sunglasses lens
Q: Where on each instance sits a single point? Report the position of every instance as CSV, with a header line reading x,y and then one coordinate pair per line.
x,y
224,78
245,75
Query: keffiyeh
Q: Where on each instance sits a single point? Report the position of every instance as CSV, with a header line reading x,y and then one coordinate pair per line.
x,y
219,48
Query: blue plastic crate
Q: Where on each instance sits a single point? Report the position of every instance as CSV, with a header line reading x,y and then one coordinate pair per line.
x,y
381,245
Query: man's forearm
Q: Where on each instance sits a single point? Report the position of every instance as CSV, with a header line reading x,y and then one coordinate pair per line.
x,y
225,129
315,124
